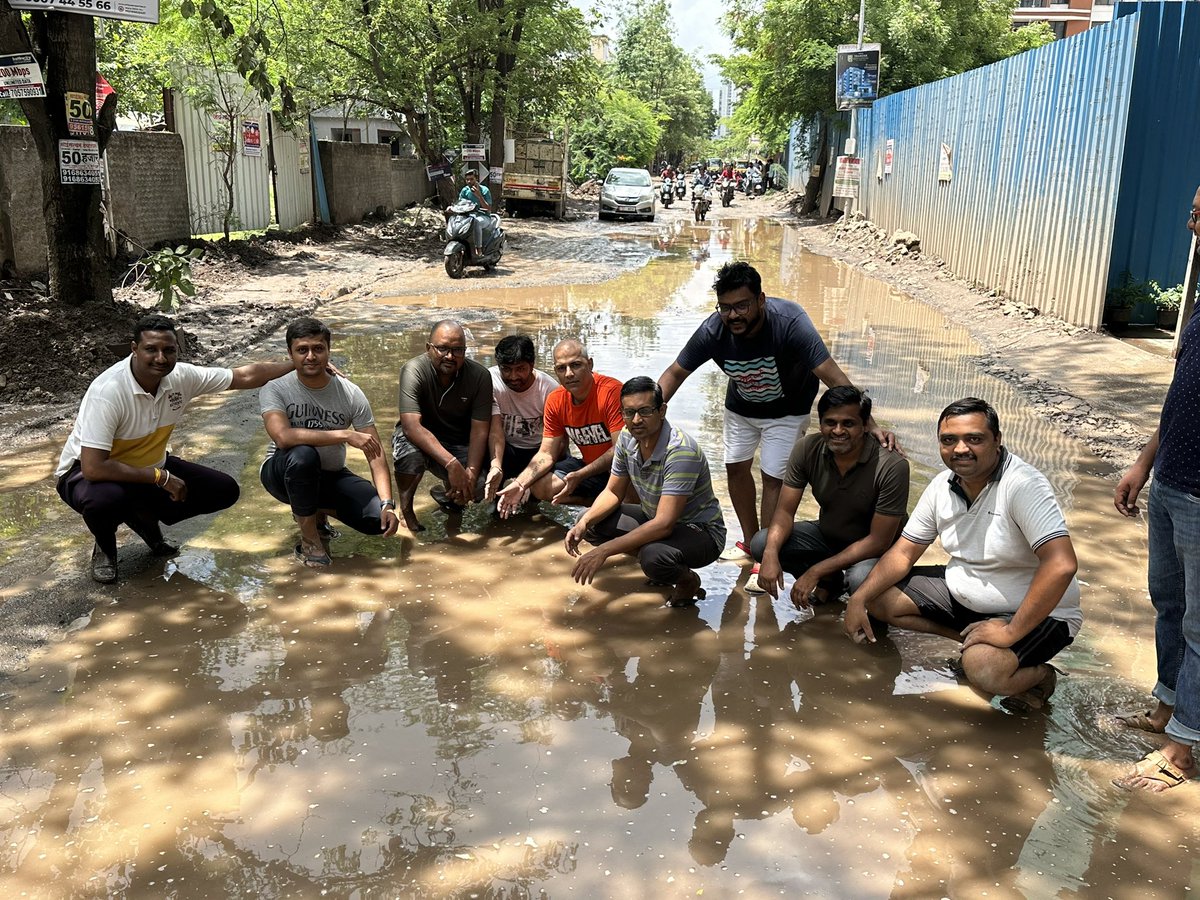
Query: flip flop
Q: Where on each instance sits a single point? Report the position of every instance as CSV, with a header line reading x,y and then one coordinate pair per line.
x,y
1138,722
739,553
1155,768
313,560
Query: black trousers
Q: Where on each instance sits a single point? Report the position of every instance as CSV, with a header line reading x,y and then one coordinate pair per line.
x,y
294,476
106,504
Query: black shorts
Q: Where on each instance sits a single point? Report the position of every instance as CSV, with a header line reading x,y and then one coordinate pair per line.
x,y
926,587
591,486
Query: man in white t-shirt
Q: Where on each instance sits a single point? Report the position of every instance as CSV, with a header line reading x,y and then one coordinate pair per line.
x,y
519,393
1009,592
115,467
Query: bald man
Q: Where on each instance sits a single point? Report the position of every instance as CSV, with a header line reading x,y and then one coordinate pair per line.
x,y
586,410
445,415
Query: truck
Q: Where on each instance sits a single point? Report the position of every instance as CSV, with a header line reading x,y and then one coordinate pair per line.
x,y
535,178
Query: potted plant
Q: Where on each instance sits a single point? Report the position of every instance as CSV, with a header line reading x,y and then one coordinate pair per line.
x,y
1168,301
1122,297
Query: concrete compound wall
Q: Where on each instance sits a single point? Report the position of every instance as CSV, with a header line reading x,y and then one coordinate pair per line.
x,y
22,232
147,189
361,179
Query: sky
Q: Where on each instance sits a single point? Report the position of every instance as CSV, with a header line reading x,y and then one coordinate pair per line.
x,y
696,31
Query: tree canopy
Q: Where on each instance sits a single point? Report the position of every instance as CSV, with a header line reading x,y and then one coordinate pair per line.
x,y
786,50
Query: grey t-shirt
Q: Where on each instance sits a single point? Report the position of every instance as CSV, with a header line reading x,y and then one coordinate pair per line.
x,y
340,404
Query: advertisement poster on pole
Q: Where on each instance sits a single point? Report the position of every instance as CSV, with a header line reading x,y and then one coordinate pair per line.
x,y
20,76
945,163
857,75
496,174
79,114
846,176
127,10
441,170
889,154
251,137
79,162
473,153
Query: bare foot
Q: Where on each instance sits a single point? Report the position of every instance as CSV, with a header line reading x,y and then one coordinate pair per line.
x,y
686,592
410,520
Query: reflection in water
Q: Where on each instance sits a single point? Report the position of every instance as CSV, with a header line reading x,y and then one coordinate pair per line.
x,y
452,716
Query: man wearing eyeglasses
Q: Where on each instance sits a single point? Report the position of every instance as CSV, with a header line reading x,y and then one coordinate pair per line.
x,y
445,416
775,360
676,527
584,410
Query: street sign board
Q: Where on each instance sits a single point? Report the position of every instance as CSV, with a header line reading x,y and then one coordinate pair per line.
x,y
857,75
473,153
129,10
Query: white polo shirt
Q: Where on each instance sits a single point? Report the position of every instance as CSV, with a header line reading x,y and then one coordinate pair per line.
x,y
992,542
118,415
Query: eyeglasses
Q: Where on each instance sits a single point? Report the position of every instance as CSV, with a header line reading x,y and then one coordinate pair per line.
x,y
1195,217
741,308
645,412
447,351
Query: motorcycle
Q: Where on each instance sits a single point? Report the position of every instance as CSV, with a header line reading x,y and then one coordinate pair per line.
x,y
459,252
726,191
701,201
668,193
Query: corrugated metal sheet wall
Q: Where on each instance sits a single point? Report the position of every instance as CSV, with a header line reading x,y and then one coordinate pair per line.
x,y
294,200
206,188
1036,144
1162,152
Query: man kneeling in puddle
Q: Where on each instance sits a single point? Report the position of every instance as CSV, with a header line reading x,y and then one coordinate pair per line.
x,y
311,417
677,526
1009,592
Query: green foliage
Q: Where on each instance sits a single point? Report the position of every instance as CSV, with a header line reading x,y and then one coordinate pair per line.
x,y
168,272
649,65
621,130
1167,298
786,50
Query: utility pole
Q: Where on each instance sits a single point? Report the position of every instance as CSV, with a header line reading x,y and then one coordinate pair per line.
x,y
852,141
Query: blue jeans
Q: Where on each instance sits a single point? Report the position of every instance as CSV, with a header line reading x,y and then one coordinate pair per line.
x,y
1175,592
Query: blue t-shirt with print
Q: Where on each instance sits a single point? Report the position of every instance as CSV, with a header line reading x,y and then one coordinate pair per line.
x,y
770,374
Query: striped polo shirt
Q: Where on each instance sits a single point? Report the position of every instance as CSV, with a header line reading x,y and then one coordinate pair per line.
x,y
118,415
677,467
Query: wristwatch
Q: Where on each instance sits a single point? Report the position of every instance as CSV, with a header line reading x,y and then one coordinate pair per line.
x,y
389,504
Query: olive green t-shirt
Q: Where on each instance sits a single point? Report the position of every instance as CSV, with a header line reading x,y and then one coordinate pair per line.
x,y
878,483
446,411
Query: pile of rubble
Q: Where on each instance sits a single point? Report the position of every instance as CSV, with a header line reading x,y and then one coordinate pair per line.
x,y
858,232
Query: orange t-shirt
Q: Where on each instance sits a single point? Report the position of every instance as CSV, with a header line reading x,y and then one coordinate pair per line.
x,y
592,424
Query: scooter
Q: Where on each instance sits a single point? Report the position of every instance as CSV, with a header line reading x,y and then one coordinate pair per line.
x,y
701,201
726,191
680,187
459,252
668,193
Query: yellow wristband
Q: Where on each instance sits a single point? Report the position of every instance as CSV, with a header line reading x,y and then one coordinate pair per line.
x,y
157,475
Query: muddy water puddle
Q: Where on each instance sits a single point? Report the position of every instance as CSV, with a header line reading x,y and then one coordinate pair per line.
x,y
450,715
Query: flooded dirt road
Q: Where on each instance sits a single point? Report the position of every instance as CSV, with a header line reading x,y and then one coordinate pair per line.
x,y
451,716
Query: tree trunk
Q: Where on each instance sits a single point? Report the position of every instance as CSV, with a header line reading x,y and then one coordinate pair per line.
x,y
65,47
812,190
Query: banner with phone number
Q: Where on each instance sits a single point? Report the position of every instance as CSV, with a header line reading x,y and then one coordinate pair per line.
x,y
128,10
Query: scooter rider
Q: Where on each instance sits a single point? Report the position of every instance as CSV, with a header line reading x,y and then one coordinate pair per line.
x,y
479,195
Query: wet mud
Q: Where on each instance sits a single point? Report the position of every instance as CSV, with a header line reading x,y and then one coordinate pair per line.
x,y
449,715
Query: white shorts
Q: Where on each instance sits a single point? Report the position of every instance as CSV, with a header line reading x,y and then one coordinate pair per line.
x,y
777,436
